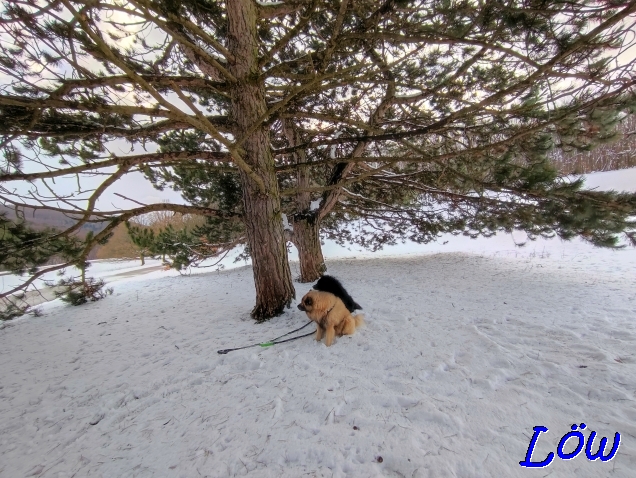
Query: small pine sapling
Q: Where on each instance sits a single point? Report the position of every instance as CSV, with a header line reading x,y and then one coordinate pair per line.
x,y
76,291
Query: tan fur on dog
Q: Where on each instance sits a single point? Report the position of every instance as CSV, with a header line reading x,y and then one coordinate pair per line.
x,y
330,314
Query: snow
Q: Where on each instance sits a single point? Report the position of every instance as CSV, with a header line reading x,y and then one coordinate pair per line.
x,y
621,180
467,346
333,149
106,269
286,225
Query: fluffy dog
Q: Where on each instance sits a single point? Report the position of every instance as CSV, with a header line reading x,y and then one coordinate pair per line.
x,y
333,285
330,314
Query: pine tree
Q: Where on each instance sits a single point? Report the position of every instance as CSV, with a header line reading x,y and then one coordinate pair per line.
x,y
410,118
202,186
23,250
617,153
144,239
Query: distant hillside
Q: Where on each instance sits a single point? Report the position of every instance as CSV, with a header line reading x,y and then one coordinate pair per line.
x,y
119,246
41,219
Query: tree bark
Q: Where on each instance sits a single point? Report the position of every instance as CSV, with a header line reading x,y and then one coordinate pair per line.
x,y
262,215
306,238
306,234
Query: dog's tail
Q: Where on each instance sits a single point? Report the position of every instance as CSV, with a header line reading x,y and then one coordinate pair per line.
x,y
359,319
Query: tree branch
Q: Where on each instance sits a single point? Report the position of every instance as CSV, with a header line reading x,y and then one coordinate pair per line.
x,y
119,161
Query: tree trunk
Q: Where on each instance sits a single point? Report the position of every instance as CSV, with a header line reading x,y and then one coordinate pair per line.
x,y
143,262
306,234
263,220
306,238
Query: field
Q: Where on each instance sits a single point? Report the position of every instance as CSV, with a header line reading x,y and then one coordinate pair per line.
x,y
468,345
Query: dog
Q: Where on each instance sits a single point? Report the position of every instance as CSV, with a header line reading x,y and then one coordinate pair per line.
x,y
330,314
333,285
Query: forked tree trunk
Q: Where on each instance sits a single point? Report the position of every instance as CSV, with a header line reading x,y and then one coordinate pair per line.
x,y
263,220
306,238
306,234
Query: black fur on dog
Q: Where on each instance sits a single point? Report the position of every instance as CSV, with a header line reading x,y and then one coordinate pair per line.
x,y
332,285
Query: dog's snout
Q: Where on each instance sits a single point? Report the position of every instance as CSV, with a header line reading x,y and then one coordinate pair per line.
x,y
301,307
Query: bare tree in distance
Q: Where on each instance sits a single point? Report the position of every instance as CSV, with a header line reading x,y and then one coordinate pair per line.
x,y
617,154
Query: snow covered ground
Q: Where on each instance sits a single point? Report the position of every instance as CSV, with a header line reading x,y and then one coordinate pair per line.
x,y
109,270
467,347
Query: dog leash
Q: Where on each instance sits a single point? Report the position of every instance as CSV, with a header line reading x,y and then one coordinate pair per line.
x,y
271,342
